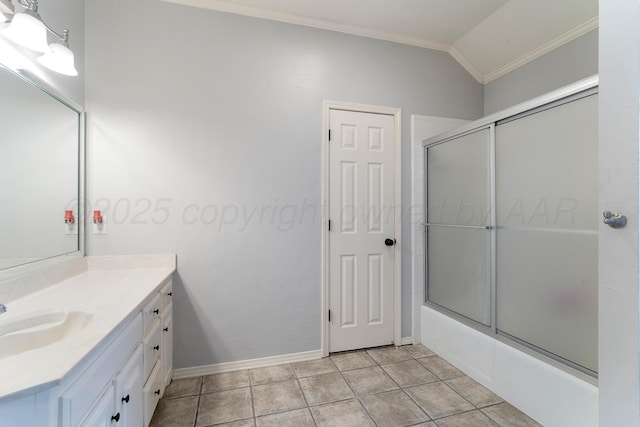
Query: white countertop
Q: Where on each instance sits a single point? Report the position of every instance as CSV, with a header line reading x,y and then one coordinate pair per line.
x,y
112,289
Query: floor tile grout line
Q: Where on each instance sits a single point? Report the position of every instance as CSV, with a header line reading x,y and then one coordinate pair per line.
x,y
253,405
195,419
308,408
464,398
417,404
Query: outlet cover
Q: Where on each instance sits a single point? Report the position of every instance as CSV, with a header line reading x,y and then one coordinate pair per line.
x,y
100,228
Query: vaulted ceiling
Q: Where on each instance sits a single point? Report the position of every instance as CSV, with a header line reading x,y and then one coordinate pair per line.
x,y
489,38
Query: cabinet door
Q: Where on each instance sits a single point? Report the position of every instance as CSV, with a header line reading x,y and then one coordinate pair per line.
x,y
128,391
103,413
166,356
152,390
152,348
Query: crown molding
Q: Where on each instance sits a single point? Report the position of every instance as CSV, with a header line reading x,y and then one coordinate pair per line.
x,y
466,64
578,31
453,50
292,18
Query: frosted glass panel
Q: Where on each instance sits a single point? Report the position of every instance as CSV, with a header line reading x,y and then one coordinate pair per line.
x,y
458,271
458,180
547,292
547,221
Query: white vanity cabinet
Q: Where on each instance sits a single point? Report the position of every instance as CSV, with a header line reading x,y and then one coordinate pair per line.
x,y
118,383
166,316
88,386
122,403
128,392
158,348
134,392
102,414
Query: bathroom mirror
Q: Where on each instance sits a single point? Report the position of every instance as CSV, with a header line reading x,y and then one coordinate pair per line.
x,y
40,172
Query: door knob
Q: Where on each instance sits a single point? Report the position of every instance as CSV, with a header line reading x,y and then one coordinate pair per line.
x,y
390,242
614,220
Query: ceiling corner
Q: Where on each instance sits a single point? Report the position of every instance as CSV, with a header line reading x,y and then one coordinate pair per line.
x,y
466,64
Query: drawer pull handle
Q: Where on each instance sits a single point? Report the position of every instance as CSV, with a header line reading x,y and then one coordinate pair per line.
x,y
116,417
169,293
126,399
166,329
156,347
157,392
156,311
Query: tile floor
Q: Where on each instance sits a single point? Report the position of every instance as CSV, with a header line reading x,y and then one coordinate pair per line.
x,y
388,386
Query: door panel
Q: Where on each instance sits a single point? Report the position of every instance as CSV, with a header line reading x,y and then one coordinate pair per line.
x,y
361,199
547,230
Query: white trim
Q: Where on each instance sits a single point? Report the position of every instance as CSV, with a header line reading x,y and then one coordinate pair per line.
x,y
466,64
363,108
406,341
246,364
295,19
82,183
578,31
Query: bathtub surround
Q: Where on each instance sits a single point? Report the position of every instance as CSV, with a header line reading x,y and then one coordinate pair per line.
x,y
550,395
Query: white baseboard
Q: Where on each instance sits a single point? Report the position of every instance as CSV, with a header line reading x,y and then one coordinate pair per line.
x,y
218,368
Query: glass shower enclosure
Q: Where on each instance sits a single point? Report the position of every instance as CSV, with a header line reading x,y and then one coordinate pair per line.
x,y
511,225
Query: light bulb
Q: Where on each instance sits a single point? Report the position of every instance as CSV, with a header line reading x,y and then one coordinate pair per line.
x,y
28,31
59,59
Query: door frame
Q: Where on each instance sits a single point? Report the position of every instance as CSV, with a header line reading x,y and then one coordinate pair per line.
x,y
328,105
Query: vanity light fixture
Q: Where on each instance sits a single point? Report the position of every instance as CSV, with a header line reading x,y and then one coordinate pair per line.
x,y
29,30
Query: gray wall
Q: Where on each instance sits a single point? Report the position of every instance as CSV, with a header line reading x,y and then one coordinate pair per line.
x,y
199,111
569,63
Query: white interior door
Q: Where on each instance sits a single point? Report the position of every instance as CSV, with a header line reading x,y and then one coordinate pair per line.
x,y
362,231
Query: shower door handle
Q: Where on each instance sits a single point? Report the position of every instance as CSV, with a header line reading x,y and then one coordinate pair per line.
x,y
614,220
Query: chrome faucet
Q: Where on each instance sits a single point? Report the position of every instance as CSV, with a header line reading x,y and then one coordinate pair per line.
x,y
3,308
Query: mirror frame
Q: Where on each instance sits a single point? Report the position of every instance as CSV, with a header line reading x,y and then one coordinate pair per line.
x,y
30,267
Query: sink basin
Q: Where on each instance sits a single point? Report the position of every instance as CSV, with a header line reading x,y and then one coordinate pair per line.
x,y
28,331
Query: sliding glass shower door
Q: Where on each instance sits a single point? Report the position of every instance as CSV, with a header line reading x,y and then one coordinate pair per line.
x,y
511,227
458,225
547,230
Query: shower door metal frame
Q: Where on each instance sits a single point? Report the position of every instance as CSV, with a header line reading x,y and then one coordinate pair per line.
x,y
489,227
578,90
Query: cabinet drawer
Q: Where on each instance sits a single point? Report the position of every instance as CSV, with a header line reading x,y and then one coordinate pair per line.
x,y
166,294
151,311
152,390
78,399
152,348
